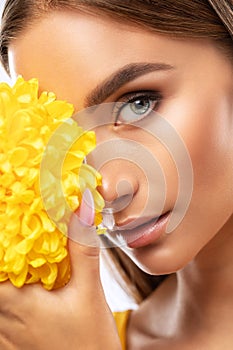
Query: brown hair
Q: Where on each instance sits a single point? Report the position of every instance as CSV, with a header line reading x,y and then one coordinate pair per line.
x,y
203,19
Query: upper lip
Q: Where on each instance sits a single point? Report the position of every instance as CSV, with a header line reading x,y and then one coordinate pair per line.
x,y
135,223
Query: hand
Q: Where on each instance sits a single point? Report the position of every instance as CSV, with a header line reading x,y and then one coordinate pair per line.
x,y
75,317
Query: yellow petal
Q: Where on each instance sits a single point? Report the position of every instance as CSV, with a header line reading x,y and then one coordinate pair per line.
x,y
19,280
38,262
50,274
24,246
73,160
3,276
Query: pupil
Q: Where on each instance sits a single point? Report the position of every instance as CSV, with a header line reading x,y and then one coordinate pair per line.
x,y
140,106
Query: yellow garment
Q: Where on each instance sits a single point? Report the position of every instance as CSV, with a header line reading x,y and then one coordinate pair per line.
x,y
121,319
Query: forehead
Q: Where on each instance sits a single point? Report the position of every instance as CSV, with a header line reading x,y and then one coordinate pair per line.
x,y
71,52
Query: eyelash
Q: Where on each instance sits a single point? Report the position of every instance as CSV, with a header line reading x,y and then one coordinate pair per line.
x,y
132,97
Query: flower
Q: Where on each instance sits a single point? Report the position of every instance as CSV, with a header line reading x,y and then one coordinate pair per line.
x,y
38,192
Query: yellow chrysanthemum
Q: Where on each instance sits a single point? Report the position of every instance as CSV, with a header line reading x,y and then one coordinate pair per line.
x,y
32,248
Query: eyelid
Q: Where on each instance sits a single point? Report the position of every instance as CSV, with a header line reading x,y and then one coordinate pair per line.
x,y
133,96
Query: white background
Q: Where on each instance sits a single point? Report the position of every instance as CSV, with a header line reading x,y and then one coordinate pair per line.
x,y
116,297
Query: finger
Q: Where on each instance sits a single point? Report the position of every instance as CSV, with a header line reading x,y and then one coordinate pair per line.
x,y
84,243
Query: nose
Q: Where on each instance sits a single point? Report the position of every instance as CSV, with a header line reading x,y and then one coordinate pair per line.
x,y
119,185
120,173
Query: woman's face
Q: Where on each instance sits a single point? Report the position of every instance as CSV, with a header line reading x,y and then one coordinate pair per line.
x,y
178,91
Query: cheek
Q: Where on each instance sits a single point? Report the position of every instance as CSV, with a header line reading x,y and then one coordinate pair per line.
x,y
207,135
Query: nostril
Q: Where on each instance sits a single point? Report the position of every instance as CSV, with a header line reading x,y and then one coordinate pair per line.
x,y
114,207
123,196
118,204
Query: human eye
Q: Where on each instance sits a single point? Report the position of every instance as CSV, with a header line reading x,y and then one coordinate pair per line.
x,y
135,106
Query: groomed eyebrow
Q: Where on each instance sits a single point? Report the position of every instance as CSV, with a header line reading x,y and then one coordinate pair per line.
x,y
119,78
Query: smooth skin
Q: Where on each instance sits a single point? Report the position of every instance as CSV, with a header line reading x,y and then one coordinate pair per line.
x,y
72,53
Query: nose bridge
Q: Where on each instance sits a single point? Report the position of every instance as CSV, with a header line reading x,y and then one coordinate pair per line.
x,y
112,158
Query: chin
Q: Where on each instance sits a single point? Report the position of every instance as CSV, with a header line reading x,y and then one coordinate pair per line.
x,y
160,260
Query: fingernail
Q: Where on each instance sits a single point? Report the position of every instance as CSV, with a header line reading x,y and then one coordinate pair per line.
x,y
81,228
87,209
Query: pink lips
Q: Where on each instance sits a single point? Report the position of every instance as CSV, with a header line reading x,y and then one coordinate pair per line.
x,y
146,234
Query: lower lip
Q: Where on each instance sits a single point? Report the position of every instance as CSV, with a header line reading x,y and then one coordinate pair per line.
x,y
148,233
